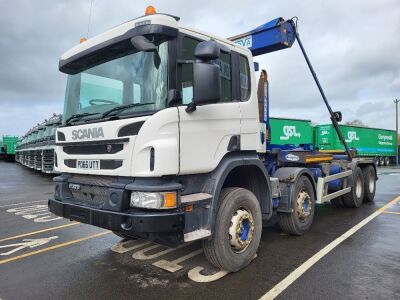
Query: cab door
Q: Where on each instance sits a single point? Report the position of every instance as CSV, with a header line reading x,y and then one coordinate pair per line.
x,y
206,132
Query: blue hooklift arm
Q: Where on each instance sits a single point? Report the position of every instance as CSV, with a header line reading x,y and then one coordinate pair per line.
x,y
280,34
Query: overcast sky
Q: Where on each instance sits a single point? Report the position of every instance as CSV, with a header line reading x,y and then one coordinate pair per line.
x,y
353,45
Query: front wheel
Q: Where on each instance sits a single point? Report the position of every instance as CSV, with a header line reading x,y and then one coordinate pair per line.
x,y
237,231
303,207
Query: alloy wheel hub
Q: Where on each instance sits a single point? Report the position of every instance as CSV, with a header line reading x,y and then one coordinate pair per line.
x,y
303,205
241,230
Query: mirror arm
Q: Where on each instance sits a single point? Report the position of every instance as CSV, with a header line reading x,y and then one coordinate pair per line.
x,y
191,107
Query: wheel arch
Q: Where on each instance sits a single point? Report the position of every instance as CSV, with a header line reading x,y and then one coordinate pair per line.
x,y
243,170
288,176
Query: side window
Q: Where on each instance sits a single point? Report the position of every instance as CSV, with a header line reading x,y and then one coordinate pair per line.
x,y
224,63
244,78
189,45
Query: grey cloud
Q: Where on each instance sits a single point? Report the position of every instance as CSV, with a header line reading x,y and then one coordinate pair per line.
x,y
353,47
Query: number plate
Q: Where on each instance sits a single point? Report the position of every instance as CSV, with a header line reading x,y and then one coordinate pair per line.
x,y
88,164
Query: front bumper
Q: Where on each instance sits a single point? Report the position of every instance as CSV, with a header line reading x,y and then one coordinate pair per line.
x,y
161,227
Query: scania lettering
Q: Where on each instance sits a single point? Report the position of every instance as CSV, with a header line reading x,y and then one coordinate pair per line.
x,y
182,155
89,133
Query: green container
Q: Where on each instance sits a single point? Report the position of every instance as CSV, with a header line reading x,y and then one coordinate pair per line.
x,y
291,131
10,144
367,141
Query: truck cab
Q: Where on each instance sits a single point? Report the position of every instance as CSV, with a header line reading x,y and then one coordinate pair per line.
x,y
161,140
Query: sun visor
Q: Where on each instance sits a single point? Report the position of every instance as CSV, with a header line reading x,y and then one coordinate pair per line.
x,y
113,48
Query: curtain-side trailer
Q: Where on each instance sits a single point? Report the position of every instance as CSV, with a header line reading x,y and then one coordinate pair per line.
x,y
379,144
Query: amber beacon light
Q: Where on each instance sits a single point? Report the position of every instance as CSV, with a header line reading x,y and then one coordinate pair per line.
x,y
150,10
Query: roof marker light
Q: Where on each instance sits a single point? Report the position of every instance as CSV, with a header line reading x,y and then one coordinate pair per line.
x,y
81,40
150,10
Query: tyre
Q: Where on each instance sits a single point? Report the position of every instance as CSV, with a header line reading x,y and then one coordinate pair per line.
x,y
303,208
355,197
387,161
237,233
381,161
369,183
337,202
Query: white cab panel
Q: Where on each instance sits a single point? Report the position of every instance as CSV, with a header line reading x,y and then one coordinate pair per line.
x,y
161,132
205,135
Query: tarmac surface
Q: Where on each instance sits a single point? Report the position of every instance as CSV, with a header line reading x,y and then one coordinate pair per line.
x,y
347,254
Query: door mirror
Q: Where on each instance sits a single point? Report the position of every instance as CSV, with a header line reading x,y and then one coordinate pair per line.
x,y
206,83
206,75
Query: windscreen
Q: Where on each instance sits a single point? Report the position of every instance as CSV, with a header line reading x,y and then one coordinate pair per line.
x,y
139,78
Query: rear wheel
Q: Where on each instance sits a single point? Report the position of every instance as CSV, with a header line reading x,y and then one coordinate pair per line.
x,y
303,207
337,202
237,231
355,197
381,161
369,183
387,161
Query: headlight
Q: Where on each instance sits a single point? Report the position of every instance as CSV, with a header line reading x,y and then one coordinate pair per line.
x,y
158,200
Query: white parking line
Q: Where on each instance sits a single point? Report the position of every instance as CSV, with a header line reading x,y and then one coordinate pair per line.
x,y
292,277
21,203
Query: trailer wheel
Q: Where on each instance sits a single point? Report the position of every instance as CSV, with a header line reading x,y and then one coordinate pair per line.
x,y
387,161
355,197
337,202
369,183
303,207
237,231
381,161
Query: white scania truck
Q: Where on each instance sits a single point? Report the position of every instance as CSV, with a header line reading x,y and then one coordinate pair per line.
x,y
162,140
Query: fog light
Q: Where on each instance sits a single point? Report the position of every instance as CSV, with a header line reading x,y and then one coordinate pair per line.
x,y
155,200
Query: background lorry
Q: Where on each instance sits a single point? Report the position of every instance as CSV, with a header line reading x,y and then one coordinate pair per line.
x,y
162,140
36,148
8,147
379,144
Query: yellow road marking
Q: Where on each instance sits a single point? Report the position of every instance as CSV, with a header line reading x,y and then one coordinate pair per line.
x,y
391,212
382,209
3,261
39,231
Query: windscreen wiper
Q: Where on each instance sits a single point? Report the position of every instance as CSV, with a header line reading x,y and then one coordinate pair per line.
x,y
76,116
123,107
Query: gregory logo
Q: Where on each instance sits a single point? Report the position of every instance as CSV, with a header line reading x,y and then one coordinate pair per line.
x,y
352,136
246,41
289,131
386,140
88,133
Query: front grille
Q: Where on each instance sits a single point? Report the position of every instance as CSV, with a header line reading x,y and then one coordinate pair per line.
x,y
93,190
48,160
31,159
38,159
93,196
94,149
